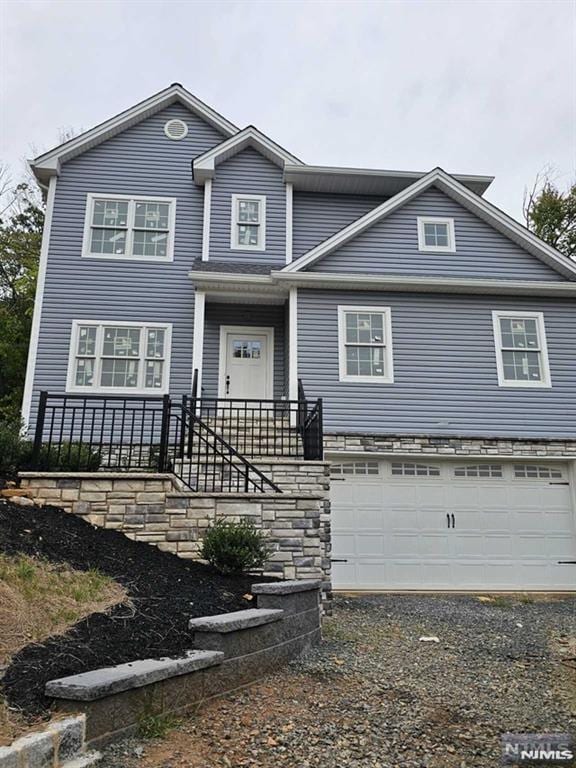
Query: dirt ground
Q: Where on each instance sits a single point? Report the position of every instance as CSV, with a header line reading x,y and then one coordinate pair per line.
x,y
374,695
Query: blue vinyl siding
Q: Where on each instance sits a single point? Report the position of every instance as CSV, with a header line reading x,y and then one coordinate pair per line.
x,y
317,217
391,247
445,379
140,161
248,173
258,315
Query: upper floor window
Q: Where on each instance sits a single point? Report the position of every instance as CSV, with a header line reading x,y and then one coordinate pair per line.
x,y
521,351
125,227
119,357
365,344
248,223
436,234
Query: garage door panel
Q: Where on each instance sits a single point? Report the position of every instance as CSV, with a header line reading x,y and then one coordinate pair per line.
x,y
509,532
434,575
556,496
400,496
470,495
371,518
481,547
430,496
358,492
370,544
560,548
344,574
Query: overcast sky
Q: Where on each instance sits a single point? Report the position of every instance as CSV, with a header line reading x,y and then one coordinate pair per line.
x,y
473,86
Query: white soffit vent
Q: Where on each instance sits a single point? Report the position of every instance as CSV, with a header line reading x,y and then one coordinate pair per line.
x,y
176,129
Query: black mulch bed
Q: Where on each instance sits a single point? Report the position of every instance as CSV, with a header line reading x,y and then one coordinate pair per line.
x,y
164,590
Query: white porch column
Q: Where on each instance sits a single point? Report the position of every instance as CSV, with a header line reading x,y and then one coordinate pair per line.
x,y
198,337
206,220
293,344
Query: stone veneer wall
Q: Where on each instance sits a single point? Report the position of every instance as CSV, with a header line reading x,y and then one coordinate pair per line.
x,y
449,446
151,508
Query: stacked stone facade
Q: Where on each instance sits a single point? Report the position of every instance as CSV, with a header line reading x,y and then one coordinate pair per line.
x,y
152,508
449,446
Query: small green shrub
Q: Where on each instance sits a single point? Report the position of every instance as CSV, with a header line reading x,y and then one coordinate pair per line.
x,y
68,457
13,447
234,547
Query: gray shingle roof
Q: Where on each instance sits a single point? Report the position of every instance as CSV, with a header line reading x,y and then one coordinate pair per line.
x,y
233,267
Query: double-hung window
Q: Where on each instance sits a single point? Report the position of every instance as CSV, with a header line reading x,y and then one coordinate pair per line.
x,y
119,357
436,234
365,344
248,228
521,350
125,227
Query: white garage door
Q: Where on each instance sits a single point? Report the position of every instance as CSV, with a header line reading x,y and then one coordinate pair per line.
x,y
452,525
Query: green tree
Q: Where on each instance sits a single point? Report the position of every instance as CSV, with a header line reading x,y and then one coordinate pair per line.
x,y
551,214
21,223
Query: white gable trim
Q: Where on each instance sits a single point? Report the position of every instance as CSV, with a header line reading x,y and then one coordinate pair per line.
x,y
48,164
204,166
458,192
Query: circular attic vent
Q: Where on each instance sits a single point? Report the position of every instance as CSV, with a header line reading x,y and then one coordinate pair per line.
x,y
176,129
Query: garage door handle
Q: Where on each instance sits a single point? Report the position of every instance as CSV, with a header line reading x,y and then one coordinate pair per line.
x,y
453,521
336,560
448,519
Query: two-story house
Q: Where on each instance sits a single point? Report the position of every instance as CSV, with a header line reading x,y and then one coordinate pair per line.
x,y
439,333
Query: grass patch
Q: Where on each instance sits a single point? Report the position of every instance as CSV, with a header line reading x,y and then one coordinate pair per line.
x,y
156,726
40,599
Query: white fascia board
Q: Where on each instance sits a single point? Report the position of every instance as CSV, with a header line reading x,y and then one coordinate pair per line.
x,y
204,166
298,173
47,164
457,191
424,284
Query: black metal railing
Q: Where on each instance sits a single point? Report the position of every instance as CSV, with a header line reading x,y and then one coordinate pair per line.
x,y
205,461
264,428
89,432
310,426
207,442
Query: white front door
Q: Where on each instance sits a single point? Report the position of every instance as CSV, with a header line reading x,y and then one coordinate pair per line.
x,y
452,525
246,356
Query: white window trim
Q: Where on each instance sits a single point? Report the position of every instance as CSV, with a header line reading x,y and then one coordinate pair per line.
x,y
450,248
234,244
132,199
97,389
546,381
388,352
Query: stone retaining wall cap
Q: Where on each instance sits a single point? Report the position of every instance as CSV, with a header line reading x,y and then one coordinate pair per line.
x,y
286,587
232,622
89,686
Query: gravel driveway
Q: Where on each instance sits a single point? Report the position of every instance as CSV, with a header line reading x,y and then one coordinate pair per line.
x,y
376,696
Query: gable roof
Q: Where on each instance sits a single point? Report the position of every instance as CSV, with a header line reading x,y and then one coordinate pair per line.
x,y
204,166
458,192
48,164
